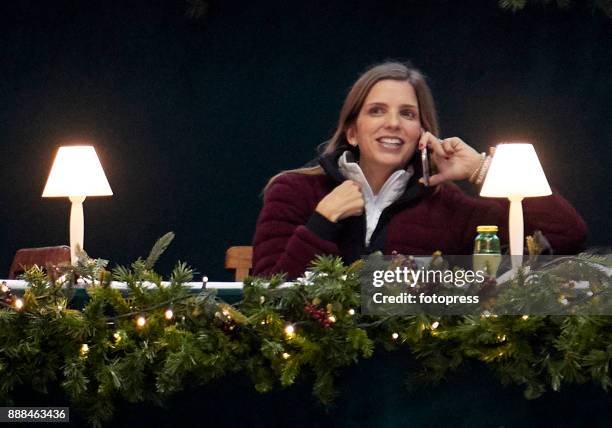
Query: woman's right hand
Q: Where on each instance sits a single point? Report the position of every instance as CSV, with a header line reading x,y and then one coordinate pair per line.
x,y
346,200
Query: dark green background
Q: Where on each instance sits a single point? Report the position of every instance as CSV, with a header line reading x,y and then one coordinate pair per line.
x,y
190,117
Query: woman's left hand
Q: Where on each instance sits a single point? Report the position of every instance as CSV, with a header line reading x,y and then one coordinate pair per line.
x,y
454,159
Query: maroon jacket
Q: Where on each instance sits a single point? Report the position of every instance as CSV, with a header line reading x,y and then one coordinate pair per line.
x,y
289,233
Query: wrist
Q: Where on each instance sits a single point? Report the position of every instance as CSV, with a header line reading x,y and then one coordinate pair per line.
x,y
322,227
479,175
328,214
477,167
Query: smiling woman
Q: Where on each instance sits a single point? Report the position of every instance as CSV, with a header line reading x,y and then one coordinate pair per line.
x,y
386,130
367,193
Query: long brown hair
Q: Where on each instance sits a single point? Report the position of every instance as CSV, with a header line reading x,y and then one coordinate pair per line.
x,y
354,100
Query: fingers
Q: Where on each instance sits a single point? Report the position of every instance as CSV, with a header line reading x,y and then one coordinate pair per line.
x,y
356,201
433,142
351,184
447,146
357,211
450,155
354,195
436,179
423,139
441,147
345,200
350,188
348,199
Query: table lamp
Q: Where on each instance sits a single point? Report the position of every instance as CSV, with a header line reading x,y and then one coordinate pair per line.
x,y
76,173
515,173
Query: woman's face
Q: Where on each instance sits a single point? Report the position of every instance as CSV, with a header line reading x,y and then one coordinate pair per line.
x,y
388,127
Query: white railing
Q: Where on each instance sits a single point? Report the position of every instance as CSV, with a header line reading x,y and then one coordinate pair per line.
x,y
16,284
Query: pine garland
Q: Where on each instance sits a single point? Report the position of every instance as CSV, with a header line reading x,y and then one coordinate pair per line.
x,y
152,342
515,5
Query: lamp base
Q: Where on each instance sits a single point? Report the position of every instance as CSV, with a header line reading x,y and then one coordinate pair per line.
x,y
77,227
515,223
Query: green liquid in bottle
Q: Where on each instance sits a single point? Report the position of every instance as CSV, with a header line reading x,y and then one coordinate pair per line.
x,y
487,254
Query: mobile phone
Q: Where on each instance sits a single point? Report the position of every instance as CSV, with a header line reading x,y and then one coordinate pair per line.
x,y
425,165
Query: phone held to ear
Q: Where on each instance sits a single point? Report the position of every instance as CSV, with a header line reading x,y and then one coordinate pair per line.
x,y
425,165
424,161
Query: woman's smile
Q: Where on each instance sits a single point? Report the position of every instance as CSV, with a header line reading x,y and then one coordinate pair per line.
x,y
391,143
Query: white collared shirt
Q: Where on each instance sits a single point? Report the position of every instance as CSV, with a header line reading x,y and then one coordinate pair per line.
x,y
374,204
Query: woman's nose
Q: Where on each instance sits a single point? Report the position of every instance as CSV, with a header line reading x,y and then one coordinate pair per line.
x,y
392,121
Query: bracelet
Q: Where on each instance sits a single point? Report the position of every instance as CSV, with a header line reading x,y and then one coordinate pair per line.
x,y
483,157
483,171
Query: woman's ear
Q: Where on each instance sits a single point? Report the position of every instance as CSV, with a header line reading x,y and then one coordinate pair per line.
x,y
350,136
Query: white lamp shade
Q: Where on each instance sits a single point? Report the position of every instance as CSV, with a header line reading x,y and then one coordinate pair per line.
x,y
515,171
76,171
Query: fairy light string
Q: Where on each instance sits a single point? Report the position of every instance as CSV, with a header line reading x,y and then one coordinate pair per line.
x,y
275,328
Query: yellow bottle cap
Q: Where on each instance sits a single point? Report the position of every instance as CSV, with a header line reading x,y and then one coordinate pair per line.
x,y
486,229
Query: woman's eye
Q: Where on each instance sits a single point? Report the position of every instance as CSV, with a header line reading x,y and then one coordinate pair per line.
x,y
409,114
376,110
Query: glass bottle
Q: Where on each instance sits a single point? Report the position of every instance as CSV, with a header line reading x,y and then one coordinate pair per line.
x,y
487,254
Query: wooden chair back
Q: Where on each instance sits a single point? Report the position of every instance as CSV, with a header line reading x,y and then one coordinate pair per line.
x,y
25,258
239,258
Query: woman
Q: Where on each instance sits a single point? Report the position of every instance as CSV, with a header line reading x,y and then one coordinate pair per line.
x,y
367,193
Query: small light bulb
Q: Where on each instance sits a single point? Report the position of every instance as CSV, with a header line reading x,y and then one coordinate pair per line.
x,y
435,325
141,321
60,307
19,304
395,336
525,317
351,311
169,314
286,355
205,279
290,330
226,313
84,349
331,318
